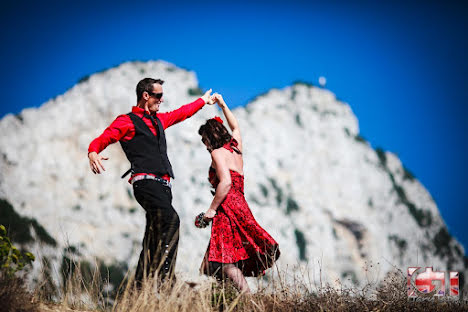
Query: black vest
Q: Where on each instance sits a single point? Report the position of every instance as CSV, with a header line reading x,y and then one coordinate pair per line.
x,y
145,151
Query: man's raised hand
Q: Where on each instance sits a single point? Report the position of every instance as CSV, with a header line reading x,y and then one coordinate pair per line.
x,y
95,162
208,98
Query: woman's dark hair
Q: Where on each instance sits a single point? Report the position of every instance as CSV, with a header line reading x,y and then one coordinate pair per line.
x,y
214,134
146,84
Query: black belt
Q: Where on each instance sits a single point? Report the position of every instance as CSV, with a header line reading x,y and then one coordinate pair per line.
x,y
151,177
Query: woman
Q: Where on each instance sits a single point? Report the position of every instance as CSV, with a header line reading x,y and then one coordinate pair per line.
x,y
238,246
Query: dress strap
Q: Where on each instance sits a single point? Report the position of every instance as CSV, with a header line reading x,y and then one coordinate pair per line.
x,y
232,146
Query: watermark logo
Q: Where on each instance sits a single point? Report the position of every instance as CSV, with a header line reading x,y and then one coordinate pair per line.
x,y
424,283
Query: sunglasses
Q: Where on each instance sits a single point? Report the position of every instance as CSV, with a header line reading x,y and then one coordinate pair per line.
x,y
156,95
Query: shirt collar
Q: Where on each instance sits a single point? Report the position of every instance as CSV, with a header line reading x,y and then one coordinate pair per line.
x,y
139,111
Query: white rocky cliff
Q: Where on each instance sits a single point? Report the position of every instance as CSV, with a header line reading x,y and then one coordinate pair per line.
x,y
331,201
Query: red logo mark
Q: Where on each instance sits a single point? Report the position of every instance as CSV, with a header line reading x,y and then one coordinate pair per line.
x,y
429,283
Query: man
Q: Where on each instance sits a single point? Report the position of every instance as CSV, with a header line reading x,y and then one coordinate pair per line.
x,y
141,135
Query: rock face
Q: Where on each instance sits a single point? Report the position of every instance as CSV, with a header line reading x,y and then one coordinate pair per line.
x,y
338,208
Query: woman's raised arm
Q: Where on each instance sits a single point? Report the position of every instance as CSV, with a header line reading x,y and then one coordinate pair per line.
x,y
231,119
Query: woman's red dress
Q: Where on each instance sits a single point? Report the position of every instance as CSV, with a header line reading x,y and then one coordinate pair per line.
x,y
236,237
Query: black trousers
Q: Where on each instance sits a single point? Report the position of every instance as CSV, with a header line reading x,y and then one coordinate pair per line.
x,y
159,252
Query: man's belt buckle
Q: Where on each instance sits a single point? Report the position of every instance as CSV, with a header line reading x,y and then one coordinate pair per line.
x,y
150,177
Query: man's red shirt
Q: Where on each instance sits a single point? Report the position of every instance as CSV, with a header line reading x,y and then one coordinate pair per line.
x,y
122,128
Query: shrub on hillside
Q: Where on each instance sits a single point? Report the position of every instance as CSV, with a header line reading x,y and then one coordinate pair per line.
x,y
11,259
13,295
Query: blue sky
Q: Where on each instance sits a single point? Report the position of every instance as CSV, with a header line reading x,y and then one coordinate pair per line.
x,y
401,66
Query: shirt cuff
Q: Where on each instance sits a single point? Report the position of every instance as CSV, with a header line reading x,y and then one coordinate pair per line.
x,y
201,100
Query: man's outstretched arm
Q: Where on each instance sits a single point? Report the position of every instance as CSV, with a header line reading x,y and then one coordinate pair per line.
x,y
170,118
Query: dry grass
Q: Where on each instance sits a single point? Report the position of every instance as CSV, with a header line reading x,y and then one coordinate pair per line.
x,y
79,294
14,296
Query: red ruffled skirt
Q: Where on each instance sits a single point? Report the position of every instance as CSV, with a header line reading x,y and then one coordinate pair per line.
x,y
237,238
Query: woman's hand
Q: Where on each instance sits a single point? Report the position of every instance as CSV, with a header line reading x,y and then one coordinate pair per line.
x,y
219,99
209,214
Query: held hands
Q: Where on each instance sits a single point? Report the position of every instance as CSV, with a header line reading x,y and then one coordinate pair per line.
x,y
95,162
218,98
212,99
208,98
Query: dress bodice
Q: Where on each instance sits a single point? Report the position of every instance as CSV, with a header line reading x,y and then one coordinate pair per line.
x,y
237,179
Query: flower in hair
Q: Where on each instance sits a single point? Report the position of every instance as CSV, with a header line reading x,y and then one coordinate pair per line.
x,y
218,119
